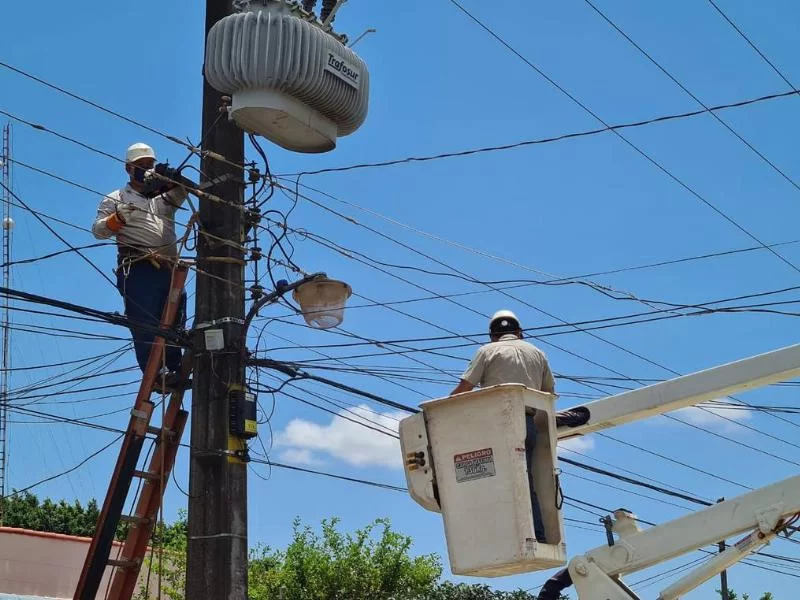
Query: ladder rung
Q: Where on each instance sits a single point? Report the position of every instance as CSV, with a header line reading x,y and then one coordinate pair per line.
x,y
156,431
147,475
124,564
135,520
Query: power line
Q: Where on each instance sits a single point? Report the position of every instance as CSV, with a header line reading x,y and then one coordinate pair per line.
x,y
616,487
66,472
112,318
542,334
733,441
693,96
650,159
636,482
83,187
56,234
36,259
752,45
171,138
315,351
674,461
59,364
501,259
596,336
568,500
293,372
546,140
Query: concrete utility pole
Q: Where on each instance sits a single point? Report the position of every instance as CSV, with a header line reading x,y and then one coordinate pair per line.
x,y
217,554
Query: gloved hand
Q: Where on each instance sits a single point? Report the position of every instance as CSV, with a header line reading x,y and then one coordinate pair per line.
x,y
122,213
174,176
165,170
162,179
125,210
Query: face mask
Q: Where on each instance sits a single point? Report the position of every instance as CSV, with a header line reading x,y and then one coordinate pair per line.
x,y
138,174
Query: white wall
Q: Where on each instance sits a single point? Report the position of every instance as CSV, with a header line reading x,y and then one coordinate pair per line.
x,y
44,564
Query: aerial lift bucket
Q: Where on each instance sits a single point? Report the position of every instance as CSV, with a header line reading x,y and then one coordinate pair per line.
x,y
465,457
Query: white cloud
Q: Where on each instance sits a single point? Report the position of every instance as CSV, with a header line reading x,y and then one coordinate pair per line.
x,y
344,439
710,415
298,456
579,444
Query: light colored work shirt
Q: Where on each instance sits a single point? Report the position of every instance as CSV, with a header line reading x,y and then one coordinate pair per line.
x,y
151,227
510,360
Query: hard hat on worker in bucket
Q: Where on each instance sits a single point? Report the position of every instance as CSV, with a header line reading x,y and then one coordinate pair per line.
x,y
504,321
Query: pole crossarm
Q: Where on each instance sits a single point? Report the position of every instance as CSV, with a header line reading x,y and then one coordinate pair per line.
x,y
688,390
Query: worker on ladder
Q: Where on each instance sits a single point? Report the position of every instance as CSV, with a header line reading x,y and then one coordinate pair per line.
x,y
141,216
510,359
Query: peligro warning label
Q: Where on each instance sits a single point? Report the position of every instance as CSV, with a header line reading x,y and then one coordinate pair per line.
x,y
474,465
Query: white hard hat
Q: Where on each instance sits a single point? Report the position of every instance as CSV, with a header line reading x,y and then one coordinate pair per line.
x,y
504,320
137,151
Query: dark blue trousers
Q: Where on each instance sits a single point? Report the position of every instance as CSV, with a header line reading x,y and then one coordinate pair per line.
x,y
530,446
145,290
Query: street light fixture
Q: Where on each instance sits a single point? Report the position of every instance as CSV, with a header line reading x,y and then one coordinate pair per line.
x,y
322,301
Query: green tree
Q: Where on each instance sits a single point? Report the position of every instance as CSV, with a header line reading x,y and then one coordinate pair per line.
x,y
373,562
451,591
27,512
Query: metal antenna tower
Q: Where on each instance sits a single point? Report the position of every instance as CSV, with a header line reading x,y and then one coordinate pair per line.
x,y
7,226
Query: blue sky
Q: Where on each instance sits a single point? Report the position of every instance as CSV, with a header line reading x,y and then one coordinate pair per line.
x,y
439,83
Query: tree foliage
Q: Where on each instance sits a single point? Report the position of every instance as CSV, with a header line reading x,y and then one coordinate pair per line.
x,y
27,512
373,562
370,563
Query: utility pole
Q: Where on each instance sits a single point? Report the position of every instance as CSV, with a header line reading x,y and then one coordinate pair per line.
x,y
7,224
723,576
217,545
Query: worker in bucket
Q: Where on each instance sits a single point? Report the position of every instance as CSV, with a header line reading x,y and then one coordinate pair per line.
x,y
510,359
141,218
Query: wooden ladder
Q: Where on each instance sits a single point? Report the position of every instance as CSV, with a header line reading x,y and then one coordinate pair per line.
x,y
153,480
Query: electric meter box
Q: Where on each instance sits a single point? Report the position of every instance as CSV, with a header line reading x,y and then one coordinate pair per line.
x,y
465,456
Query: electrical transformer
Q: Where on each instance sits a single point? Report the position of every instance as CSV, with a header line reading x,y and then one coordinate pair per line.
x,y
291,79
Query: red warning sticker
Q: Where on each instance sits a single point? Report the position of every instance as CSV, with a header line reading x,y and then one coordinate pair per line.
x,y
474,465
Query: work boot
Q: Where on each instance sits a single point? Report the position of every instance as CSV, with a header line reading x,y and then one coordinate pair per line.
x,y
170,382
573,417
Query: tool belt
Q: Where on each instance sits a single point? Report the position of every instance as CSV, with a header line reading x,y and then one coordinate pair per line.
x,y
127,256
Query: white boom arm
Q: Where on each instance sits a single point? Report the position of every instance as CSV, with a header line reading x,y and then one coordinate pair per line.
x,y
757,371
765,511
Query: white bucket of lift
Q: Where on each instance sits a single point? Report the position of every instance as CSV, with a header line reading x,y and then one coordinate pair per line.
x,y
475,443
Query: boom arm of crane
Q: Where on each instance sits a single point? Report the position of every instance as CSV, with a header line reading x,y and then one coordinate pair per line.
x,y
765,511
688,390
595,574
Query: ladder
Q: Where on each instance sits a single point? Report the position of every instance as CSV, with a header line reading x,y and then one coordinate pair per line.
x,y
167,440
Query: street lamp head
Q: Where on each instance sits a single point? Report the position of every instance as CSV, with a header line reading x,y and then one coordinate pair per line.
x,y
322,301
